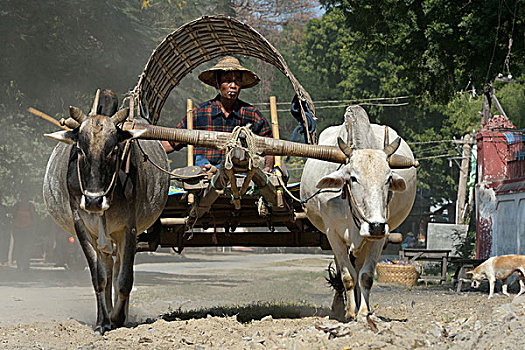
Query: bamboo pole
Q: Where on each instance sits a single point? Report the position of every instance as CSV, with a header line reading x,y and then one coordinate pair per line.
x,y
275,126
46,117
189,126
275,132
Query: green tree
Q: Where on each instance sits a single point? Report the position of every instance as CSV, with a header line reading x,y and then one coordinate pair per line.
x,y
443,44
56,54
331,68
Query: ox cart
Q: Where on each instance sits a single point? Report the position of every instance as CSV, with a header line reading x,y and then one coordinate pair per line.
x,y
262,205
108,181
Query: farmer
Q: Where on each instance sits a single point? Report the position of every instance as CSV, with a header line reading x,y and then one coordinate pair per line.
x,y
225,111
23,231
5,234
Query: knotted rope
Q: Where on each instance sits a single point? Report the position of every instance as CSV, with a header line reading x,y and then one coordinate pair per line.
x,y
235,141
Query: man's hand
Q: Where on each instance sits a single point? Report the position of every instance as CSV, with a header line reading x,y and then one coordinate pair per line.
x,y
268,164
209,169
167,146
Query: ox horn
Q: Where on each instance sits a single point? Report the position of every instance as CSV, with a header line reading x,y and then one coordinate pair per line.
x,y
76,115
392,148
95,103
120,116
397,161
347,150
386,141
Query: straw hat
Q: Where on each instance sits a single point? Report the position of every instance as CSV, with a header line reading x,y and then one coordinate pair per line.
x,y
225,64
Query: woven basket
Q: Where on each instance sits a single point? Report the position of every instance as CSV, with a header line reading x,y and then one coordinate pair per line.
x,y
393,273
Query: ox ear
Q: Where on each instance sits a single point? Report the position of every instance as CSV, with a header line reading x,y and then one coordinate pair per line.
x,y
66,136
397,184
333,180
128,135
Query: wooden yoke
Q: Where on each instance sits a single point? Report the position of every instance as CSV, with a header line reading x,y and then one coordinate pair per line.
x,y
217,140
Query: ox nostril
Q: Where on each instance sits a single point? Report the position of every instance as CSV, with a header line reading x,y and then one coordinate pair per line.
x,y
95,200
377,229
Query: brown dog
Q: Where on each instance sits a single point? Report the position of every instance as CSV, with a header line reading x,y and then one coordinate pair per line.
x,y
499,267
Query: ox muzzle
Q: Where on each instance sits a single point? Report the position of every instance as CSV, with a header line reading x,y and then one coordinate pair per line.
x,y
94,203
374,230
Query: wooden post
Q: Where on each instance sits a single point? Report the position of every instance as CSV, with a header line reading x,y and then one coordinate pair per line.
x,y
189,126
275,126
463,178
275,132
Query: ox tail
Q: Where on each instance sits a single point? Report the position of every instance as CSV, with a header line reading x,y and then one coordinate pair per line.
x,y
334,279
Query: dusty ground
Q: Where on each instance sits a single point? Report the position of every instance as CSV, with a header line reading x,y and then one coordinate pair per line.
x,y
274,301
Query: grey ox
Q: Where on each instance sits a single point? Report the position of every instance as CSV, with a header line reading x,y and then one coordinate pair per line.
x,y
376,200
105,195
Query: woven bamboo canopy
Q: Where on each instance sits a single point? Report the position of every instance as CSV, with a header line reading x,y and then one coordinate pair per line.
x,y
195,43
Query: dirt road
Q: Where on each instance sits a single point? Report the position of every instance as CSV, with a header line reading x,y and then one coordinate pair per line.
x,y
275,301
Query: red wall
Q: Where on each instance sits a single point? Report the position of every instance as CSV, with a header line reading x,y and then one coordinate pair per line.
x,y
499,164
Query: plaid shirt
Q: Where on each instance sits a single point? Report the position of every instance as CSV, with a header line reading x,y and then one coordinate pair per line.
x,y
209,116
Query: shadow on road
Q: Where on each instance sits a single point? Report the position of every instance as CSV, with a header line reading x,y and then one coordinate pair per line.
x,y
251,312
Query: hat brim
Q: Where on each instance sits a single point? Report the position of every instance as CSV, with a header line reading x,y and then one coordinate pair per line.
x,y
249,78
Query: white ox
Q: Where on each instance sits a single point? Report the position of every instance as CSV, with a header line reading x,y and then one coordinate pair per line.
x,y
376,201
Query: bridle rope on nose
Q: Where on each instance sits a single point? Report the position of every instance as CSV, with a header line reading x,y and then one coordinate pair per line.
x,y
354,209
356,212
111,184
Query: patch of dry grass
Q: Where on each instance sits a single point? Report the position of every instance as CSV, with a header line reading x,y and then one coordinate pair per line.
x,y
248,313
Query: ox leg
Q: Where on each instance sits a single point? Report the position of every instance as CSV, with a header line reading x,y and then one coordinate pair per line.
x,y
108,264
116,270
124,282
348,273
338,304
98,275
366,280
372,251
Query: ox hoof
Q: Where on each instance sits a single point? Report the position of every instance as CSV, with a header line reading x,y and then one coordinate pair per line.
x,y
338,316
101,329
350,317
118,321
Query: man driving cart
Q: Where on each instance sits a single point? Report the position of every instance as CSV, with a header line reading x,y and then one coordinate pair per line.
x,y
225,112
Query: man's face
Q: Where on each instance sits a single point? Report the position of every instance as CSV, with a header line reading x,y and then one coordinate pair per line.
x,y
230,85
